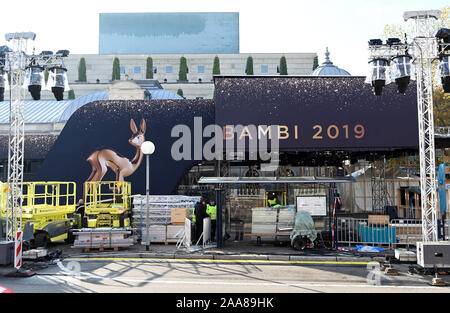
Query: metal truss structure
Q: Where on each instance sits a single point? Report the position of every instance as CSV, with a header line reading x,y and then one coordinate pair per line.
x,y
17,65
380,194
423,51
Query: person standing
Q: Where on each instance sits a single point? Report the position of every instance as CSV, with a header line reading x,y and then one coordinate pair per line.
x,y
211,210
200,214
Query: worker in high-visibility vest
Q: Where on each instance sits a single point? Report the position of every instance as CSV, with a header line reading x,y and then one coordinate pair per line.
x,y
211,210
272,202
272,199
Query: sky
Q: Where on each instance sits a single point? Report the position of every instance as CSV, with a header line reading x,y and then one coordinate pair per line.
x,y
282,26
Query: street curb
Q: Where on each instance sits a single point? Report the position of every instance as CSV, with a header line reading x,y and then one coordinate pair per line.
x,y
278,257
156,256
251,257
313,258
193,256
239,257
353,259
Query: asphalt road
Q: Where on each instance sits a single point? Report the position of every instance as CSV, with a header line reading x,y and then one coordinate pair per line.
x,y
208,276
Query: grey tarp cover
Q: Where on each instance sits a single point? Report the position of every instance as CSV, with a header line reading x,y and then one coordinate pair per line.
x,y
304,226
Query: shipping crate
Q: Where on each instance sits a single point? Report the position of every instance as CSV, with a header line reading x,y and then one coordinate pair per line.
x,y
97,238
378,220
175,232
157,233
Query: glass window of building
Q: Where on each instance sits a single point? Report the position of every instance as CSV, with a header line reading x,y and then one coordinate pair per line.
x,y
122,70
200,69
264,69
155,69
169,69
137,70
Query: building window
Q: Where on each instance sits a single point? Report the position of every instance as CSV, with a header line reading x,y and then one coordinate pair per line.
x,y
264,69
169,69
122,70
137,70
155,69
200,69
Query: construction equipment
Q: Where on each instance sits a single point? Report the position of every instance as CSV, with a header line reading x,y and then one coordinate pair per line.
x,y
107,204
48,211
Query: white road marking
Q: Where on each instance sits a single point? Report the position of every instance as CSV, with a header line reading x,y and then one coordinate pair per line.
x,y
222,283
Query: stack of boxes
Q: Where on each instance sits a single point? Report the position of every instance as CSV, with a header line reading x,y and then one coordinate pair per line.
x,y
166,216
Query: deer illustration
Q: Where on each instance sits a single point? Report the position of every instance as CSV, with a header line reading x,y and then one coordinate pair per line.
x,y
100,160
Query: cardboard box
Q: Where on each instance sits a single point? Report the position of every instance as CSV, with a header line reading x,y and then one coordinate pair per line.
x,y
178,215
378,220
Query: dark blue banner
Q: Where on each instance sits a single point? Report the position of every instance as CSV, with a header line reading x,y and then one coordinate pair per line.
x,y
318,113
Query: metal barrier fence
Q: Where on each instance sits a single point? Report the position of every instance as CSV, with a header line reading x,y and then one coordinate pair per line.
x,y
373,231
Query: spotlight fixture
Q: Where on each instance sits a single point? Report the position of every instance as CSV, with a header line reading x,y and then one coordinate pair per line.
x,y
443,36
46,52
2,85
33,80
57,81
63,53
375,42
445,72
401,72
393,41
377,76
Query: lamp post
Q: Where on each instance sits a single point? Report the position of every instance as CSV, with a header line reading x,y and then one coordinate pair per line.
x,y
147,148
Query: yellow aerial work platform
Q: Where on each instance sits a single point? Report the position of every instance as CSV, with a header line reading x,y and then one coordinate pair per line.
x,y
107,204
48,210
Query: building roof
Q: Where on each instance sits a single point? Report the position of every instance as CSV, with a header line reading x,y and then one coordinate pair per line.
x,y
52,111
328,69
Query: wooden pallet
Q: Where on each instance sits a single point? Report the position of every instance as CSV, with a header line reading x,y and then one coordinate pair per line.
x,y
159,242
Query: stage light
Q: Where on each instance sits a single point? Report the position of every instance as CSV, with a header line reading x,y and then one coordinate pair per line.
x,y
375,42
63,53
2,85
57,82
393,41
401,72
444,72
46,52
443,36
33,80
377,76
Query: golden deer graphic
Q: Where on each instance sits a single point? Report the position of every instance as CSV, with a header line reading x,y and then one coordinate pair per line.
x,y
100,160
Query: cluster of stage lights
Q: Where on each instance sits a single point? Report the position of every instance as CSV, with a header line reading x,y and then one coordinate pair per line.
x,y
57,78
35,75
394,55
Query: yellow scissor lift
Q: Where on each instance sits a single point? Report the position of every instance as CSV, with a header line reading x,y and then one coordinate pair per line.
x,y
107,204
48,211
